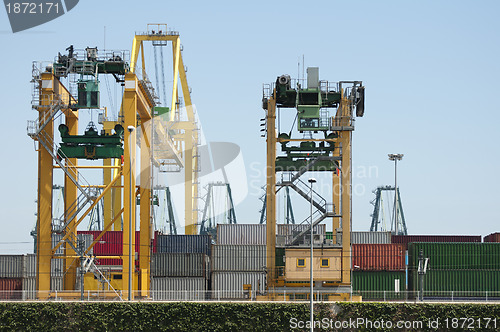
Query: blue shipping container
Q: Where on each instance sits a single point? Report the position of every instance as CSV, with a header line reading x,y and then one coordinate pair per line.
x,y
184,244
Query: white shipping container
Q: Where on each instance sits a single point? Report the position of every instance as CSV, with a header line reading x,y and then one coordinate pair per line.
x,y
29,288
179,265
254,234
178,289
29,266
370,237
57,284
11,266
229,285
56,266
238,257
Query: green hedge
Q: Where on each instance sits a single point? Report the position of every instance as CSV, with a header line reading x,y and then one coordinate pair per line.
x,y
189,316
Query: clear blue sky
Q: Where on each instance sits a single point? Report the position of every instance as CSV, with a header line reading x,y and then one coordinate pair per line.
x,y
430,69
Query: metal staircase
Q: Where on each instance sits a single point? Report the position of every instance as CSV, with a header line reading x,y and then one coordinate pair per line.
x,y
323,209
54,104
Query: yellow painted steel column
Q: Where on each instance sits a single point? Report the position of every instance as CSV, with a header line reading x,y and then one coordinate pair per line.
x,y
146,221
191,137
176,48
116,197
70,197
271,191
190,226
107,175
130,119
346,173
336,200
44,207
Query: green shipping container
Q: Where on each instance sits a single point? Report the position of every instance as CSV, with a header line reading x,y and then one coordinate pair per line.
x,y
379,285
456,256
458,283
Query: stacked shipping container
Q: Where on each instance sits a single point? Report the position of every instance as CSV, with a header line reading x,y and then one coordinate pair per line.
x,y
180,267
405,239
238,258
467,269
379,270
11,273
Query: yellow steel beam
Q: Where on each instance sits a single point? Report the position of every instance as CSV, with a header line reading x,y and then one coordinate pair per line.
x,y
185,88
130,109
44,205
70,196
92,167
116,198
145,205
190,151
182,125
190,224
107,176
346,178
76,257
271,190
176,46
138,41
336,186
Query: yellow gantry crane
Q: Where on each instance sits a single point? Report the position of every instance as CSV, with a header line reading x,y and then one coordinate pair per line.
x,y
302,152
164,136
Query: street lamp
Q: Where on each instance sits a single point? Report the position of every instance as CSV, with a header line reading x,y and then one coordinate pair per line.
x,y
395,158
311,282
131,193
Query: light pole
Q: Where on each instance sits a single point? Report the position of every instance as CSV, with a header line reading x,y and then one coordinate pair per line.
x,y
395,158
311,282
131,193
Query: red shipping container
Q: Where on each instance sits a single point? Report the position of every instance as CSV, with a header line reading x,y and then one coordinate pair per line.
x,y
111,244
378,257
11,288
405,239
493,237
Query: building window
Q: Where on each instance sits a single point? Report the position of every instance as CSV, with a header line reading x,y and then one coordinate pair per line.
x,y
325,262
301,262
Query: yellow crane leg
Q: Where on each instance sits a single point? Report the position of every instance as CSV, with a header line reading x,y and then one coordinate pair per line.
x,y
70,197
107,175
346,174
271,191
116,198
188,184
44,207
336,202
129,199
146,222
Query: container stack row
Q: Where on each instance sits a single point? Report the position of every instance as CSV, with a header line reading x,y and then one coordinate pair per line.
x,y
194,267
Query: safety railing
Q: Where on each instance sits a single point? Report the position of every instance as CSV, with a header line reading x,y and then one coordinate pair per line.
x,y
323,295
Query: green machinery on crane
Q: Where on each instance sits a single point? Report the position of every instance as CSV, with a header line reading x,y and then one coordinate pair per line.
x,y
91,145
